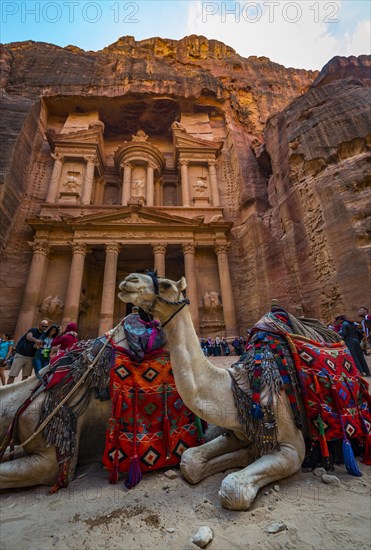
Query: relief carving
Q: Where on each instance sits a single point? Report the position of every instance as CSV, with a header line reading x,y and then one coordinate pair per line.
x,y
140,136
200,185
51,306
211,301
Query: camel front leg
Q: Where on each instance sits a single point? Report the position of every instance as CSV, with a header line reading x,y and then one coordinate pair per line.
x,y
239,489
222,453
34,469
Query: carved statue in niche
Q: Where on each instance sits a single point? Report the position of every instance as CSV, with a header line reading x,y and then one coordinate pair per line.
x,y
72,183
51,306
83,301
211,301
140,136
200,185
137,187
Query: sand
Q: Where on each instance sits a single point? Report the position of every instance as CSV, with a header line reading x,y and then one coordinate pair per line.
x,y
164,514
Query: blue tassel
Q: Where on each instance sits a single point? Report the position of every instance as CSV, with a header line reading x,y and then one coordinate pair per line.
x,y
349,460
256,411
135,473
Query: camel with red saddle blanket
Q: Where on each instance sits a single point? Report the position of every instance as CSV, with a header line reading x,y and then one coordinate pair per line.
x,y
258,400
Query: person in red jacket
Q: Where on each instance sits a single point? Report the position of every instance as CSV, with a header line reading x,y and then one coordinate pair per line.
x,y
66,340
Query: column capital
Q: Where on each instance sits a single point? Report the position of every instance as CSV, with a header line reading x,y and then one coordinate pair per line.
x,y
79,248
189,248
40,247
113,247
221,248
159,247
57,156
151,164
90,158
211,162
183,162
126,164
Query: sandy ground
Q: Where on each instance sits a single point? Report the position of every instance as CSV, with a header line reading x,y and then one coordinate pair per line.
x,y
164,514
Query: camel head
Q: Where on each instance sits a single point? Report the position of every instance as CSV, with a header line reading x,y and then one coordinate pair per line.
x,y
156,295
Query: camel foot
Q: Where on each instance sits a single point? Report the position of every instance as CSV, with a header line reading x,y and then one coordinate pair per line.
x,y
235,495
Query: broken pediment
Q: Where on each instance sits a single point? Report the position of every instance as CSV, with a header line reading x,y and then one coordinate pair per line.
x,y
185,143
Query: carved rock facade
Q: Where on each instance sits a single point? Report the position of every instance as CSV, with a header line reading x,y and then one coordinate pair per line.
x,y
248,177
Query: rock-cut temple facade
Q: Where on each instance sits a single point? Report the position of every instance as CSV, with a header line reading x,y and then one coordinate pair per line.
x,y
249,178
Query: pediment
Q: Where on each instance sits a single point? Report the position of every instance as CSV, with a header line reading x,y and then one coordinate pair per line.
x,y
133,216
184,141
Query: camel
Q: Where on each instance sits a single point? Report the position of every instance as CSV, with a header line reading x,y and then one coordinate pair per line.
x,y
36,464
207,391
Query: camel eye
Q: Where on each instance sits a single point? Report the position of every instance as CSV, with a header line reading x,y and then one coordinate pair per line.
x,y
166,286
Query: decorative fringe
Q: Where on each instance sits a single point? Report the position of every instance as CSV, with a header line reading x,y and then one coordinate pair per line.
x,y
63,474
322,437
135,473
349,460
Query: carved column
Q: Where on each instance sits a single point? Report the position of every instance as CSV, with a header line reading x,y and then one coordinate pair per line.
x,y
214,183
55,178
89,180
71,302
185,182
226,290
150,184
109,287
35,280
159,252
126,184
190,275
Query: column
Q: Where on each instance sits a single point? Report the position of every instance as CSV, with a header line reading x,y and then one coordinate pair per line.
x,y
35,280
72,299
159,252
88,180
109,287
126,183
55,178
185,182
150,184
214,183
226,289
190,275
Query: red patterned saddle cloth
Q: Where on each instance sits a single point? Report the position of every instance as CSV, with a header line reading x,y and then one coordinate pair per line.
x,y
149,420
336,397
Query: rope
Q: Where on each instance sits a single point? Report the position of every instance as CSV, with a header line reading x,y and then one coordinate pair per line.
x,y
76,386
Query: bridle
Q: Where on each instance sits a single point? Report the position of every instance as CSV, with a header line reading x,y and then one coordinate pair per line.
x,y
182,303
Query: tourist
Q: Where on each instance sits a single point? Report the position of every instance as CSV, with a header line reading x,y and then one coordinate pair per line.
x,y
349,332
225,347
217,347
42,354
210,344
236,346
67,339
6,347
25,350
204,346
366,326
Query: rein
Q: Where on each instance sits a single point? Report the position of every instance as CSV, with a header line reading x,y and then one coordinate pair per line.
x,y
182,303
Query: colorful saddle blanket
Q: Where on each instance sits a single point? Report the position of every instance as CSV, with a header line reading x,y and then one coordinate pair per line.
x,y
336,398
150,425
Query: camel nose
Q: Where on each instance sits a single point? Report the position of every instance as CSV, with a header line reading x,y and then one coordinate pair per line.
x,y
132,278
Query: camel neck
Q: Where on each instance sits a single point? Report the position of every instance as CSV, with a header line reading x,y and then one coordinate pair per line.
x,y
193,372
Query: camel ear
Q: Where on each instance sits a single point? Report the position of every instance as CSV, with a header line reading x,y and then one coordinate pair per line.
x,y
182,284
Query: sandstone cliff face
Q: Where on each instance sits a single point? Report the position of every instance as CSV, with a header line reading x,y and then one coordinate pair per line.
x,y
285,201
311,246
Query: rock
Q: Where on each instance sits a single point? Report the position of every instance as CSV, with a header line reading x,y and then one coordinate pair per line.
x,y
276,527
319,472
171,474
203,536
276,488
170,530
331,480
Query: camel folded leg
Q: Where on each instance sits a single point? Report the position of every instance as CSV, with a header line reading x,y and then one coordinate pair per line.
x,y
239,489
33,469
218,455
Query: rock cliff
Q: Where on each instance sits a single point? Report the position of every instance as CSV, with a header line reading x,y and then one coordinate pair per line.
x,y
297,145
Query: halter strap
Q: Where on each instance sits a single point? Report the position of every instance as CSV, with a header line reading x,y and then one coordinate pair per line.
x,y
182,303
